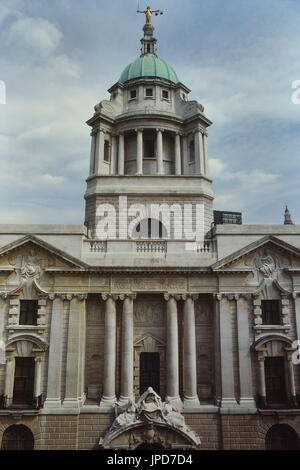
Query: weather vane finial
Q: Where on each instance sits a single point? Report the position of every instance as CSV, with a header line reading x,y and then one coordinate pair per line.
x,y
148,14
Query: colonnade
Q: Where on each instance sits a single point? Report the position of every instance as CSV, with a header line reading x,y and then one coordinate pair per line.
x,y
172,353
117,152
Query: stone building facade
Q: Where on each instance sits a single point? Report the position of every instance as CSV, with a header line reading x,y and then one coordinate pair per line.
x,y
145,339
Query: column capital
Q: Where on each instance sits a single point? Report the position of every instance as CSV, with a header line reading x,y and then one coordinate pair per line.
x,y
169,296
218,296
189,296
159,129
198,129
139,129
128,295
38,359
107,296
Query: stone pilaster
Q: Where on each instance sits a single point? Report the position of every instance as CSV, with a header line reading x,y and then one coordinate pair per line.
x,y
228,399
9,380
93,151
99,152
199,154
74,396
53,399
245,373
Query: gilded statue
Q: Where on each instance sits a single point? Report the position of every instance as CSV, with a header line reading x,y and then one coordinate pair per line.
x,y
148,14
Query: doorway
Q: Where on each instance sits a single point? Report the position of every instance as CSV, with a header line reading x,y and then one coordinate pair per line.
x,y
275,380
149,372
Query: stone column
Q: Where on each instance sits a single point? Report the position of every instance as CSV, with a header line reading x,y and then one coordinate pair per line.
x,y
177,155
109,373
74,396
92,156
139,151
245,373
159,150
113,161
9,380
53,399
290,365
199,154
172,357
38,376
226,353
262,380
185,169
99,153
206,165
296,298
121,155
191,399
127,350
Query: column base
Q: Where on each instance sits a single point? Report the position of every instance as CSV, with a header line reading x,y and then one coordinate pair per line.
x,y
175,402
73,403
124,401
228,403
191,402
108,403
52,403
247,402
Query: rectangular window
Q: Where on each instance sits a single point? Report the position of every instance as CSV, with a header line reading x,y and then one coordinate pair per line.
x,y
149,149
28,312
270,312
133,94
165,94
106,151
149,92
192,151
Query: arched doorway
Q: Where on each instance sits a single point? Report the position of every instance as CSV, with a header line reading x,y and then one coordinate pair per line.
x,y
17,437
147,446
282,437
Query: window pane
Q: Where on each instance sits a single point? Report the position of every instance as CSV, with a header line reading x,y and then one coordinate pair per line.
x,y
270,312
149,92
28,312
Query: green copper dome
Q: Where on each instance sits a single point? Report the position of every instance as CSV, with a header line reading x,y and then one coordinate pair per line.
x,y
148,66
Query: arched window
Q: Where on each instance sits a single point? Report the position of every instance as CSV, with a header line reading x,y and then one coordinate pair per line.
x,y
149,228
282,437
17,437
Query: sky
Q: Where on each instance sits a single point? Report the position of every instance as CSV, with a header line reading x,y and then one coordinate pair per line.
x,y
58,58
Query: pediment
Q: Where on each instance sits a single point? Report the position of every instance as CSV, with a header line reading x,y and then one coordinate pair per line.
x,y
267,255
33,252
149,343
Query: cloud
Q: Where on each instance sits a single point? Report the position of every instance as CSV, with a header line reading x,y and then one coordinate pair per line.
x,y
37,34
50,179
